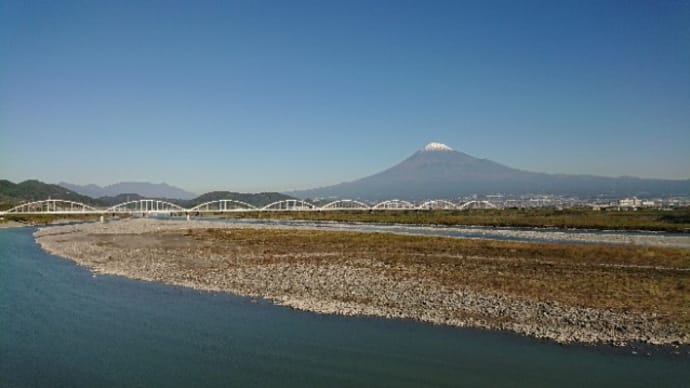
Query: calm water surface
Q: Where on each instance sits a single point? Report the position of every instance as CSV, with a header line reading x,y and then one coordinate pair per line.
x,y
61,326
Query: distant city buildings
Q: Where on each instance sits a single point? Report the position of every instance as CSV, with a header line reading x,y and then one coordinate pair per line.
x,y
569,202
636,203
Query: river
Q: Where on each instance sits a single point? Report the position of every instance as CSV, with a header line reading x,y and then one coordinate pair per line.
x,y
62,326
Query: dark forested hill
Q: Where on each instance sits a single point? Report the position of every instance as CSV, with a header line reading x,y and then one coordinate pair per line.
x,y
33,190
256,199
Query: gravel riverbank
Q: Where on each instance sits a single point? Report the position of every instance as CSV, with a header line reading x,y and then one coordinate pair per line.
x,y
337,283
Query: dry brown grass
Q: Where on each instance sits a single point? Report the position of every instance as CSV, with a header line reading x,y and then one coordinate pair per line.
x,y
628,278
672,221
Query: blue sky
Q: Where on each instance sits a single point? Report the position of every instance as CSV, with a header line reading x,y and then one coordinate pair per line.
x,y
259,95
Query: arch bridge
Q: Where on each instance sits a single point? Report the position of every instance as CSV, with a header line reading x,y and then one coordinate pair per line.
x,y
290,204
146,206
155,206
221,206
345,204
393,204
437,204
477,205
52,206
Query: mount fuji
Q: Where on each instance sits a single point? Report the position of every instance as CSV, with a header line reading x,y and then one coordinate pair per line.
x,y
438,171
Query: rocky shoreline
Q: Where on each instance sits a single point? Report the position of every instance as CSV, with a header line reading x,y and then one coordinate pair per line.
x,y
28,224
156,250
12,224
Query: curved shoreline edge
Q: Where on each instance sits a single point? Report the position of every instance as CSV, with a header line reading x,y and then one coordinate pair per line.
x,y
341,288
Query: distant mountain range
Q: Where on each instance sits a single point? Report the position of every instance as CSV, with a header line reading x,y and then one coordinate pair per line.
x,y
12,194
438,171
435,171
144,189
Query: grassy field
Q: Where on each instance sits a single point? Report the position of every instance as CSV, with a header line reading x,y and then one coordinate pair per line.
x,y
656,220
624,278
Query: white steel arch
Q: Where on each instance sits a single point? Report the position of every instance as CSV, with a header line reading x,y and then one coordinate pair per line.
x,y
393,204
222,205
437,204
146,206
290,204
345,204
477,205
50,206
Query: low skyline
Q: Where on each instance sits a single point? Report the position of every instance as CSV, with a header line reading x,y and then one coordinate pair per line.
x,y
273,96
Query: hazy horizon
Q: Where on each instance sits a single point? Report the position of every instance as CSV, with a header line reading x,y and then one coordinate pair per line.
x,y
270,96
269,189
219,188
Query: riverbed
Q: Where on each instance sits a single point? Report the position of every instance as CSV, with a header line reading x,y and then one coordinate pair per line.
x,y
556,291
63,326
556,235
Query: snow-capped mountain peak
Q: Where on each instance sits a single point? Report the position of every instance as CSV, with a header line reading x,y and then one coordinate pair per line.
x,y
436,147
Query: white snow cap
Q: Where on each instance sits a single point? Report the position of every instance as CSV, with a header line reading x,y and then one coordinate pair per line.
x,y
436,147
